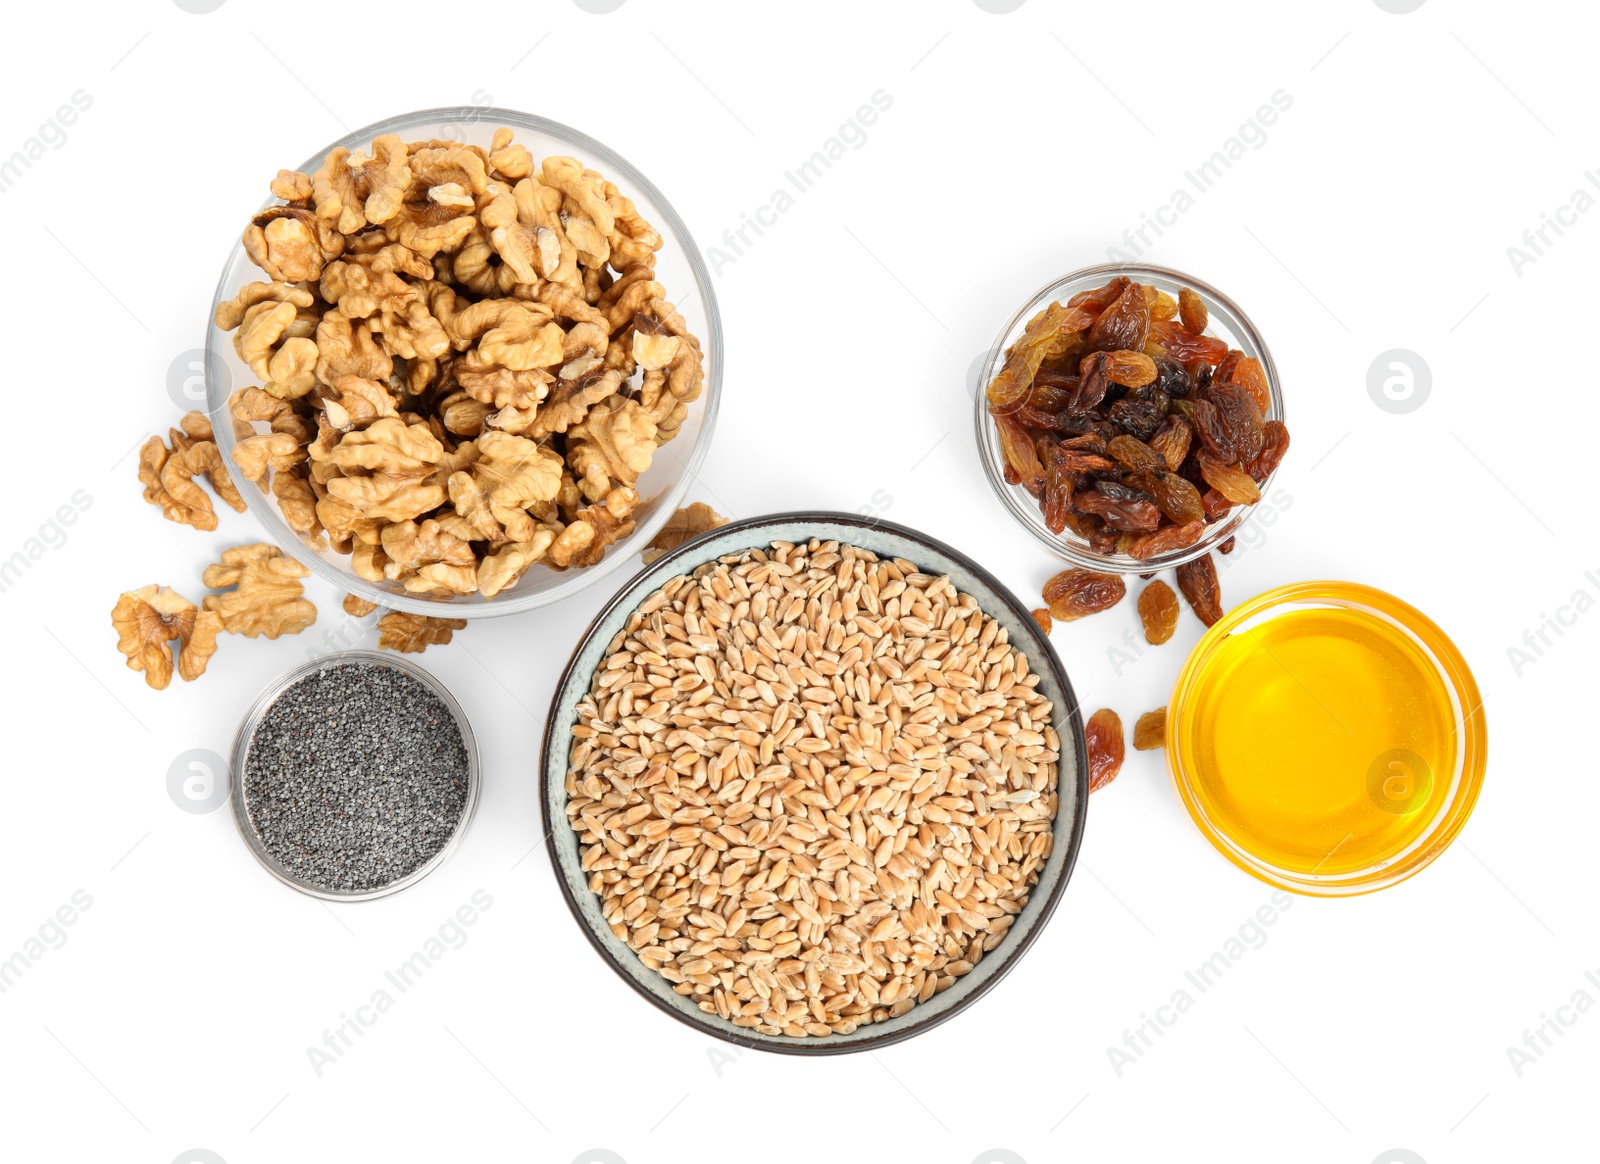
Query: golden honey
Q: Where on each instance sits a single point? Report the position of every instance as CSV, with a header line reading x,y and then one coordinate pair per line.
x,y
1322,737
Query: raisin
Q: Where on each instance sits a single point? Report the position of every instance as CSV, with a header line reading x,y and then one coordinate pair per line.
x,y
1167,539
1239,417
1274,444
1123,324
1173,377
1158,610
1141,411
1215,505
1206,420
1051,328
1192,310
1164,306
1229,480
1022,458
1226,547
1174,496
1120,507
1092,384
1101,297
1171,440
1074,593
1052,392
1035,418
1186,345
1150,730
1042,617
1102,736
1252,377
1223,372
1134,453
1130,369
1198,582
1057,498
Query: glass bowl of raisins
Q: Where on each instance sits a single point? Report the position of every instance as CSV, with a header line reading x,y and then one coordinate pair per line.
x,y
1131,418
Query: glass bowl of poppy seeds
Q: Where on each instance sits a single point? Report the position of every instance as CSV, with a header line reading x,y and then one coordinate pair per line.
x,y
354,776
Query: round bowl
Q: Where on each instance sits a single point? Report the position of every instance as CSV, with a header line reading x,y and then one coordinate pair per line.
x,y
1227,323
241,752
1440,657
886,540
662,488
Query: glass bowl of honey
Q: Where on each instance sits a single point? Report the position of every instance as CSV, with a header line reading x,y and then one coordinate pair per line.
x,y
1327,738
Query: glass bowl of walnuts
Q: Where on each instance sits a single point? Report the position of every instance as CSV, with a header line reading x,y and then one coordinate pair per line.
x,y
464,362
1130,418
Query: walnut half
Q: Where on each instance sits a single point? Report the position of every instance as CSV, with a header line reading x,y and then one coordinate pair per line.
x,y
147,620
267,596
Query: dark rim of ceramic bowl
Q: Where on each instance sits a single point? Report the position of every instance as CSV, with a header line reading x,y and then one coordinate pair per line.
x,y
1042,655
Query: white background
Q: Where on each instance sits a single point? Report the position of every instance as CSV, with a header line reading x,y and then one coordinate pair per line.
x,y
1376,215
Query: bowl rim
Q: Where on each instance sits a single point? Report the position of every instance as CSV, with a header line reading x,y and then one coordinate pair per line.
x,y
988,450
553,770
270,694
1466,782
218,347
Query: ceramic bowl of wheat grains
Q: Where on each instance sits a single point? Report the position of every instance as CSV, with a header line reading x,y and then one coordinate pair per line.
x,y
813,783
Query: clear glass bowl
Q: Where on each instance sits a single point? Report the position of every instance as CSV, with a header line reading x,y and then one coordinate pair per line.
x,y
1461,701
662,488
1227,322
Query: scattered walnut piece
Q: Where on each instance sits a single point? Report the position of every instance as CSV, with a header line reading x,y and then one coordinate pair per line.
x,y
413,633
147,620
689,522
168,474
357,607
267,599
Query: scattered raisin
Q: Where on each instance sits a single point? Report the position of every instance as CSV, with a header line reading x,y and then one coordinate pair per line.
x,y
1074,593
1158,610
1150,730
1198,582
1103,737
1042,617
